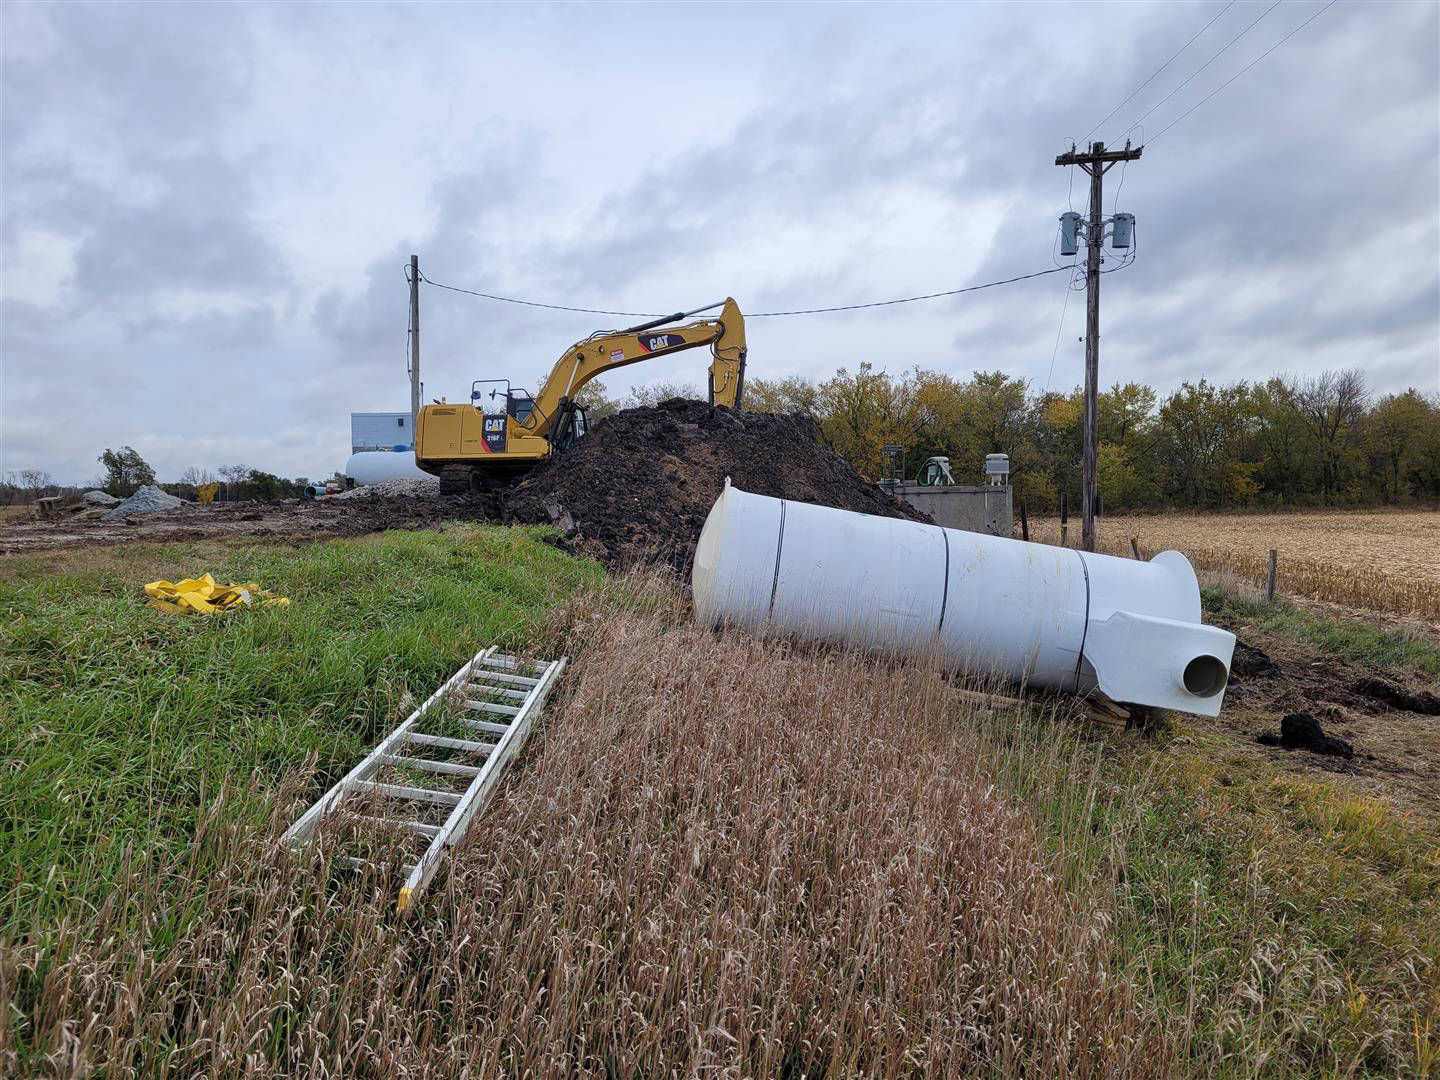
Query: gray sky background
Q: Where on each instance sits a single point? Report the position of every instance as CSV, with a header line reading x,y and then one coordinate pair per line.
x,y
207,208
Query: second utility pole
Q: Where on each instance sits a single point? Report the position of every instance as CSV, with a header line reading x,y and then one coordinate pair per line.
x,y
1096,161
414,344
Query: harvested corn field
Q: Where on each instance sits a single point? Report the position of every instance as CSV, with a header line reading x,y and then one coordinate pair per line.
x,y
1381,560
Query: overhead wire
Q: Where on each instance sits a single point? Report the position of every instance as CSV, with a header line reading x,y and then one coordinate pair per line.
x,y
757,314
1243,70
1158,70
1207,63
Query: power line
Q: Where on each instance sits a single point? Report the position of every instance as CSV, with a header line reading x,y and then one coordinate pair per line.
x,y
1246,68
1207,63
1158,70
909,299
753,315
536,303
1069,288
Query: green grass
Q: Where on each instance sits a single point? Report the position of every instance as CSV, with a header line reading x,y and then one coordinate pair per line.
x,y
1360,642
1280,924
122,723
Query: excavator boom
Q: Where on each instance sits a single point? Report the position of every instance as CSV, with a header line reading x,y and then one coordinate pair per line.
x,y
469,448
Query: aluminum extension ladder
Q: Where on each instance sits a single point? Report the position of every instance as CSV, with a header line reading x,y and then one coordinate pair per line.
x,y
507,693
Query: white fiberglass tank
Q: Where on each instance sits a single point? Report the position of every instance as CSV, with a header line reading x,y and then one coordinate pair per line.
x,y
1046,616
377,466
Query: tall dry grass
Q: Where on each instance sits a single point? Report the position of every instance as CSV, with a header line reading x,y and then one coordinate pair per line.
x,y
721,857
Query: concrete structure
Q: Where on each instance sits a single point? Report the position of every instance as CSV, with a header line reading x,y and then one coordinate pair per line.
x,y
380,431
988,509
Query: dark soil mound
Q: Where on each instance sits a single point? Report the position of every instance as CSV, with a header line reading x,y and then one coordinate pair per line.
x,y
1301,731
1401,697
638,487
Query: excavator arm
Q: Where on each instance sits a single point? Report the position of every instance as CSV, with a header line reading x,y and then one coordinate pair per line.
x,y
553,414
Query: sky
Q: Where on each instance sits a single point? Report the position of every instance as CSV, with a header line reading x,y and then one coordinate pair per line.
x,y
208,209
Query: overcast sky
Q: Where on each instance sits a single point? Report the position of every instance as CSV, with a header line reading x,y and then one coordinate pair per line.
x,y
207,208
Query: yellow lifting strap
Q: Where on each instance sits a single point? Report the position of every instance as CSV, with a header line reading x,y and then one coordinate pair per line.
x,y
203,596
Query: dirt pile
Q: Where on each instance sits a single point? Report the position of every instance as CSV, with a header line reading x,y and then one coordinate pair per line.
x,y
638,486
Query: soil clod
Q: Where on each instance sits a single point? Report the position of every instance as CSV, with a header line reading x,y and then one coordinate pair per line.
x,y
1301,731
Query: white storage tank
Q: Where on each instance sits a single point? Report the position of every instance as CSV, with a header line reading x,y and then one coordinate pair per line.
x,y
1047,616
377,466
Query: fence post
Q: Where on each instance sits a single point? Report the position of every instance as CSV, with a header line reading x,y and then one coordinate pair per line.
x,y
1270,577
1024,523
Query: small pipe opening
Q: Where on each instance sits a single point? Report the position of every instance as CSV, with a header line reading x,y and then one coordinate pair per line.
x,y
1205,676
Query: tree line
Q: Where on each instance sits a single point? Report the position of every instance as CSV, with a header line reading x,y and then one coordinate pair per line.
x,y
1285,441
126,472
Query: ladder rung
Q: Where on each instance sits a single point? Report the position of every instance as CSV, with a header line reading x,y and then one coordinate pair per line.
x,y
430,765
400,823
485,725
503,691
450,744
501,676
509,663
397,791
490,706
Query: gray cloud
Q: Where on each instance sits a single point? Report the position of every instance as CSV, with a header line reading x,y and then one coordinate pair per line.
x,y
220,200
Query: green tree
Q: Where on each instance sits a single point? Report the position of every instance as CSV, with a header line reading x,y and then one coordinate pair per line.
x,y
265,486
860,414
1200,433
1396,432
793,394
596,401
125,471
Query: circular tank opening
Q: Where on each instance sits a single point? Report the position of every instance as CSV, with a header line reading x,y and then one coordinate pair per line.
x,y
1205,676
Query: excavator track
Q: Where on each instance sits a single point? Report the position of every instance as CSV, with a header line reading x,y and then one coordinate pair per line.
x,y
457,482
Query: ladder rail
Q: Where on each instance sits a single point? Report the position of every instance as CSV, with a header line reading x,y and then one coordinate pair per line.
x,y
481,788
305,826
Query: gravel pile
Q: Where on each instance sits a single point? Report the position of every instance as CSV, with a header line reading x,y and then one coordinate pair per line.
x,y
148,500
426,487
100,498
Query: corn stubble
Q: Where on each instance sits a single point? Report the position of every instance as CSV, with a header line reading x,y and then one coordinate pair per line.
x,y
721,856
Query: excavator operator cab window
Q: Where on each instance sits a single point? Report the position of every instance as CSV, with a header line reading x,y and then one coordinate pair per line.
x,y
520,405
579,422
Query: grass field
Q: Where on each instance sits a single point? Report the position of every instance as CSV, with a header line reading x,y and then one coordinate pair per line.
x,y
125,723
1382,560
719,854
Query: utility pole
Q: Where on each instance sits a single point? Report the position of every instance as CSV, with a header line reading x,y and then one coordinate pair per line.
x,y
414,343
1096,161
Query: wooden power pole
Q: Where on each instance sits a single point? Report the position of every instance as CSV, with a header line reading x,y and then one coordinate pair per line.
x,y
414,344
1096,161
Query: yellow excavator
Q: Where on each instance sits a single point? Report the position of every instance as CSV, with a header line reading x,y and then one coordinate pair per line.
x,y
474,449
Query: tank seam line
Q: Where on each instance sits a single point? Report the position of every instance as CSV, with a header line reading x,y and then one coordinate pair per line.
x,y
779,546
945,595
1085,627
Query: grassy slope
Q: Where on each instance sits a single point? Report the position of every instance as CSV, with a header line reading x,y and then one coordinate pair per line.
x,y
1359,642
123,722
1284,925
